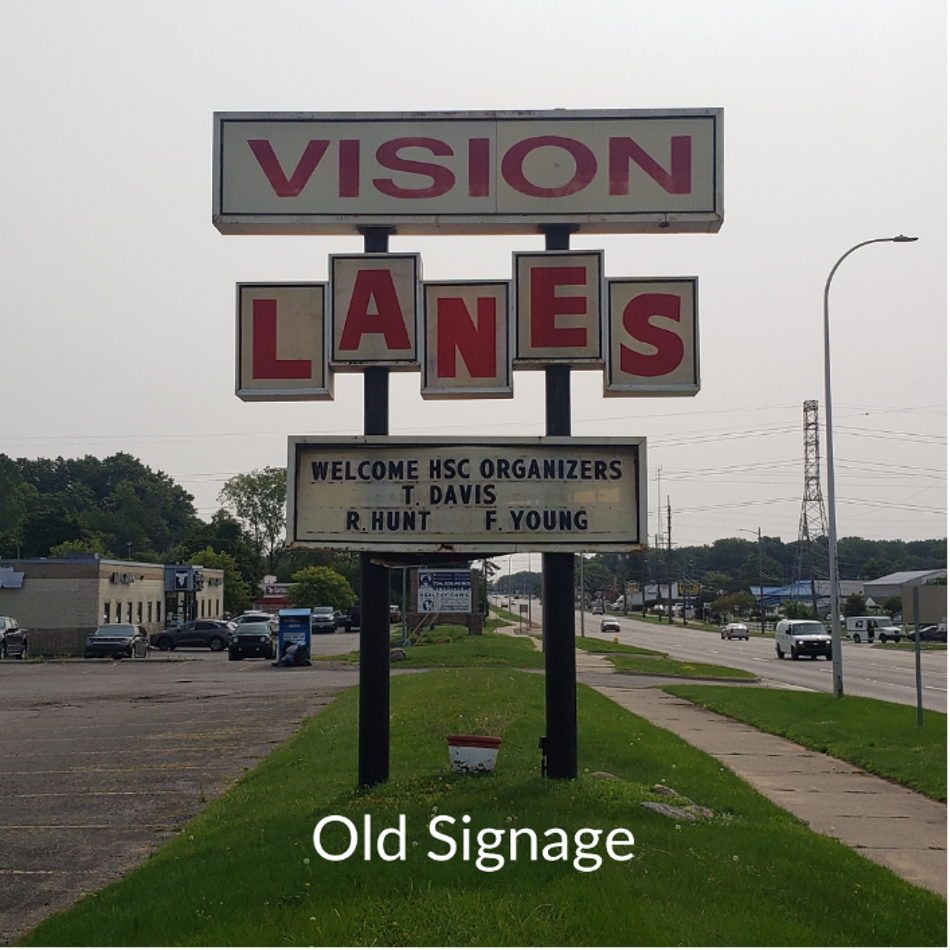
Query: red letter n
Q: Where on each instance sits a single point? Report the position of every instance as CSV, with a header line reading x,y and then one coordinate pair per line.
x,y
455,330
677,181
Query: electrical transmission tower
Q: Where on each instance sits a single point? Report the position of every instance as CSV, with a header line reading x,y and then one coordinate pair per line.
x,y
810,561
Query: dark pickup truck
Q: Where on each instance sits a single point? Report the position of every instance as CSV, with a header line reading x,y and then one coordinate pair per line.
x,y
351,618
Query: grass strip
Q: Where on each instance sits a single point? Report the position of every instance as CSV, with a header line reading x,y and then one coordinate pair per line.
x,y
245,872
453,647
664,665
595,645
873,735
629,658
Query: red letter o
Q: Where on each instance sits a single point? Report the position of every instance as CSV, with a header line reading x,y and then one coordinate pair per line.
x,y
513,172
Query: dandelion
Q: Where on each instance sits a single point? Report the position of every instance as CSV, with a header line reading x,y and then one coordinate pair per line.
x,y
735,857
306,860
313,918
677,827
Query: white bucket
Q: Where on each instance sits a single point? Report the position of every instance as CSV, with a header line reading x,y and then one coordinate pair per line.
x,y
473,753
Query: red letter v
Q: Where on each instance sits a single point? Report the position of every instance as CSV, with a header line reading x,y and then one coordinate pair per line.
x,y
284,188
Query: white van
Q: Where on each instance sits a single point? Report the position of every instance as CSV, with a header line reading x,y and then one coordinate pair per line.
x,y
802,638
867,629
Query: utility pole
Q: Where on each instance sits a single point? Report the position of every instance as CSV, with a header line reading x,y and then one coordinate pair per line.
x,y
813,524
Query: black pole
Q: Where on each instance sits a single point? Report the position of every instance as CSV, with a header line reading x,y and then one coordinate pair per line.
x,y
560,667
374,588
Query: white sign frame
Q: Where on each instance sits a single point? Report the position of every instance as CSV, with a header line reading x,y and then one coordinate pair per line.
x,y
295,294
583,494
683,379
607,171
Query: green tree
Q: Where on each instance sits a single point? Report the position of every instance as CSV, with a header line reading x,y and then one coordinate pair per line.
x,y
855,605
893,605
92,544
259,500
237,592
796,610
320,587
738,604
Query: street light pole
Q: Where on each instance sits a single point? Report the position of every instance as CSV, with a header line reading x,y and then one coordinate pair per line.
x,y
758,534
837,681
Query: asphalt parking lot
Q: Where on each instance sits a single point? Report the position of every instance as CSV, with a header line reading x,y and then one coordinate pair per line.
x,y
102,760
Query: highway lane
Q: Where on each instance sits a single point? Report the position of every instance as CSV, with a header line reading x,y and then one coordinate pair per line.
x,y
868,670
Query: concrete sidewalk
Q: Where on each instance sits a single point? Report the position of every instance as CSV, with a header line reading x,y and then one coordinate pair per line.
x,y
899,829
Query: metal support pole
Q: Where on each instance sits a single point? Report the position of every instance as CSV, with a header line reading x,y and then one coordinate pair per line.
x,y
374,589
920,696
560,666
833,571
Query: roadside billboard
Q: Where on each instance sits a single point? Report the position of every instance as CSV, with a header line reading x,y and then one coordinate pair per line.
x,y
602,171
444,591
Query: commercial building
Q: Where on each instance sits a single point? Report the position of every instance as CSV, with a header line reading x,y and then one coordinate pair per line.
x,y
62,600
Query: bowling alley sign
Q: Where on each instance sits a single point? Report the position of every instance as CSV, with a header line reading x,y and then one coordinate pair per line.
x,y
468,173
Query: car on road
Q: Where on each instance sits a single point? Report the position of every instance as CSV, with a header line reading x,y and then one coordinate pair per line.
x,y
800,638
597,609
215,635
253,639
609,625
395,614
734,631
866,629
323,620
118,640
351,618
12,639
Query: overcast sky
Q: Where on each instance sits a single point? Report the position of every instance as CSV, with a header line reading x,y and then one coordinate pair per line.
x,y
117,318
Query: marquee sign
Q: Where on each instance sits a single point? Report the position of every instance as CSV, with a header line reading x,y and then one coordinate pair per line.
x,y
380,493
603,171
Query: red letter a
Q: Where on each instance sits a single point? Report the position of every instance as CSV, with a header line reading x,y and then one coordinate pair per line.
x,y
376,285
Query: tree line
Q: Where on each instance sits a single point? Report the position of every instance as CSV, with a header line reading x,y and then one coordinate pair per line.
x,y
120,508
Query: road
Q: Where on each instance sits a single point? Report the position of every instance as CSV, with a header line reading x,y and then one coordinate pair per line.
x,y
868,670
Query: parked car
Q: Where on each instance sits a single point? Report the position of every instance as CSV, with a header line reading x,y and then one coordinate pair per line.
x,y
213,634
118,640
351,618
802,638
323,620
597,609
734,631
935,633
12,639
253,639
609,625
395,615
256,616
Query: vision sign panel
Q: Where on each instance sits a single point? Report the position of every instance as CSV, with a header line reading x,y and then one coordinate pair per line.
x,y
606,171
380,493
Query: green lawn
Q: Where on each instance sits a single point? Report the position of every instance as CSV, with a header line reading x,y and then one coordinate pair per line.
x,y
245,872
627,658
880,737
